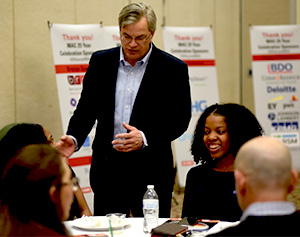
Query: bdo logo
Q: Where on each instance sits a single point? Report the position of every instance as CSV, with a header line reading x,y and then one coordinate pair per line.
x,y
280,68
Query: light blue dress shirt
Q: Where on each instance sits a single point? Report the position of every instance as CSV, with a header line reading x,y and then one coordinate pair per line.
x,y
128,82
269,209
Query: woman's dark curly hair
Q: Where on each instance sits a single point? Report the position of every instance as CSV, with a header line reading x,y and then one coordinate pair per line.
x,y
242,126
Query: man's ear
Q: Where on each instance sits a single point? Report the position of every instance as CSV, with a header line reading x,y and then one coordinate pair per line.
x,y
152,34
53,193
240,182
294,179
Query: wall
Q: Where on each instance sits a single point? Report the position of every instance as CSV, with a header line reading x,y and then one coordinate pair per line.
x,y
7,79
28,88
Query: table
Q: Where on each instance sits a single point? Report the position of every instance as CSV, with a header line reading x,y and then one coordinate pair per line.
x,y
133,229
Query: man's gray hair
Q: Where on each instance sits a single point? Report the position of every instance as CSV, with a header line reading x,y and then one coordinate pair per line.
x,y
133,13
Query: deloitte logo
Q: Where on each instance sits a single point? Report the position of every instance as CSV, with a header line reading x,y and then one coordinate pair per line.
x,y
281,89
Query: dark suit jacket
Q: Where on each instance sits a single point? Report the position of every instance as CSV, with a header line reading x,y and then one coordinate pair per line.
x,y
287,225
162,110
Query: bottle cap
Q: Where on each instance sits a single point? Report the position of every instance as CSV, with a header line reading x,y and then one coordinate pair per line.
x,y
150,186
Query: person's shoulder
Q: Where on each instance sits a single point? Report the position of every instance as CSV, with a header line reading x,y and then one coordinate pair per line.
x,y
265,225
236,229
105,56
163,55
197,170
197,167
295,216
33,228
106,52
230,231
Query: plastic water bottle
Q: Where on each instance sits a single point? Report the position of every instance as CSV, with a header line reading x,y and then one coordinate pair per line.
x,y
150,209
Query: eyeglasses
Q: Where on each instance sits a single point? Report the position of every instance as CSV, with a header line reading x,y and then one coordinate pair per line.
x,y
73,182
139,40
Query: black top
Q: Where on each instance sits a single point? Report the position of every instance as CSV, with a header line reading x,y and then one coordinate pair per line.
x,y
210,194
287,225
75,211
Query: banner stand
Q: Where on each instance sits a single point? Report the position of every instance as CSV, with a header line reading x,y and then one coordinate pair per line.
x,y
276,82
72,47
193,45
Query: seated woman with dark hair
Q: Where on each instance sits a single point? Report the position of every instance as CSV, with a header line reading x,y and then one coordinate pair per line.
x,y
15,136
210,188
36,193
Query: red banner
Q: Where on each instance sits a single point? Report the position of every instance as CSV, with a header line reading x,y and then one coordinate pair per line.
x,y
75,68
84,160
276,57
194,63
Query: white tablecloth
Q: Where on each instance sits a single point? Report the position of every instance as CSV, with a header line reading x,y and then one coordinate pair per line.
x,y
133,229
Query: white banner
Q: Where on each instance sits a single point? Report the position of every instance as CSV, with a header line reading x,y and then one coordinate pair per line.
x,y
195,46
276,81
72,47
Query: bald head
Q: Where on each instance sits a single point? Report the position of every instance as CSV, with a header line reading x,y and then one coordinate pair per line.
x,y
266,161
263,170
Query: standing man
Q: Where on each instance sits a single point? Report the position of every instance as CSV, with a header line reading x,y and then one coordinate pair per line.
x,y
140,98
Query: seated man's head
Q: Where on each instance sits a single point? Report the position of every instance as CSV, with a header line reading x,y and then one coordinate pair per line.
x,y
263,171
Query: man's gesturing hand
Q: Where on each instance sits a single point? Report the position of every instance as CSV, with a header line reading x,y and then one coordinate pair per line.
x,y
66,146
131,141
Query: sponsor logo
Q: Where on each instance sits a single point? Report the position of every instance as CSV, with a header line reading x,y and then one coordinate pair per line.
x,y
288,106
272,116
289,139
284,126
281,89
187,163
280,68
294,98
199,106
276,98
288,116
86,189
75,80
272,106
272,79
198,79
73,102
